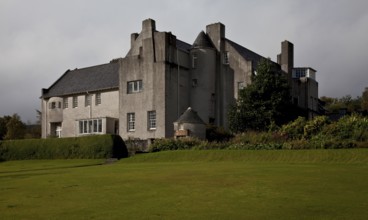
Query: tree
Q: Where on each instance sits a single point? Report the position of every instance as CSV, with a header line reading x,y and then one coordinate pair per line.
x,y
263,103
3,126
365,100
15,128
334,105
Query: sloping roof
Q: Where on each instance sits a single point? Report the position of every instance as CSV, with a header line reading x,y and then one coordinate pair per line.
x,y
182,45
247,54
202,41
190,116
95,78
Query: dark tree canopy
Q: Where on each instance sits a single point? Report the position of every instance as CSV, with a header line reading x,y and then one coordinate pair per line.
x,y
15,128
263,103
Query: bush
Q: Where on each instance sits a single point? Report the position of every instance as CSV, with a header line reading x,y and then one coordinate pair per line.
x,y
174,144
295,129
352,127
314,126
218,134
96,146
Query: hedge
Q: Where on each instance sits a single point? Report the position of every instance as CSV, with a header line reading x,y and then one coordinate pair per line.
x,y
88,147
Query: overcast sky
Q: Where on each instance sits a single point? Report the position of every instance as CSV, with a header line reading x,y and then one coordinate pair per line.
x,y
41,39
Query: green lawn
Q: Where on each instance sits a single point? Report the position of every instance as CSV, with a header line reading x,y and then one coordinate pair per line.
x,y
313,184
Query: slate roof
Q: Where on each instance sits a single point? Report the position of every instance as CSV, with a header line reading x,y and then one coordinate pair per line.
x,y
94,78
190,116
202,41
247,54
183,45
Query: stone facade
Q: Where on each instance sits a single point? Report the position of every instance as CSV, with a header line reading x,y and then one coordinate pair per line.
x,y
161,76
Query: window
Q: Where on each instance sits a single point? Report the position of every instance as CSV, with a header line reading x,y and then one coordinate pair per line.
x,y
300,73
65,102
194,60
151,120
75,101
241,86
226,58
54,105
90,126
135,86
131,121
98,99
87,100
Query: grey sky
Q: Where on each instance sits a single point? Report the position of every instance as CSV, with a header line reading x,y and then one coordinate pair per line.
x,y
41,39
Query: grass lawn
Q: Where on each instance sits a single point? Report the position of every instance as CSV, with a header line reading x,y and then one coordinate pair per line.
x,y
312,184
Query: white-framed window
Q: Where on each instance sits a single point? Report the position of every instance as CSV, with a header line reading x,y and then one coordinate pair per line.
x,y
151,116
87,100
75,101
98,99
131,121
65,102
90,126
135,86
194,60
226,57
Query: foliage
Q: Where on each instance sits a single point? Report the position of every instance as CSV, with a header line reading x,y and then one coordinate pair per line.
x,y
314,126
3,126
262,103
218,134
15,128
96,146
350,127
295,129
334,105
365,100
173,144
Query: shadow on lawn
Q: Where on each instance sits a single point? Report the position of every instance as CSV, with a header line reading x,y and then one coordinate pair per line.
x,y
52,168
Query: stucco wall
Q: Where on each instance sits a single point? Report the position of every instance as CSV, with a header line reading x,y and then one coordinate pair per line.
x,y
108,108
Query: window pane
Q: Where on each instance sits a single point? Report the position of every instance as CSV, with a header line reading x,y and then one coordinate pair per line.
x,y
95,125
90,126
65,102
99,125
151,119
131,121
85,127
80,127
98,98
75,101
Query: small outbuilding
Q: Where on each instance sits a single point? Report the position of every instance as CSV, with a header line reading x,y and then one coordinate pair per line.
x,y
189,124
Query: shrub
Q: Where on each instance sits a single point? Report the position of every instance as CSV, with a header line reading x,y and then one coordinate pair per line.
x,y
218,134
96,146
314,126
352,127
174,144
295,129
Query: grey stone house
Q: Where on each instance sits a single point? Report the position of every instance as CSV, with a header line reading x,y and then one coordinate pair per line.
x,y
142,94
